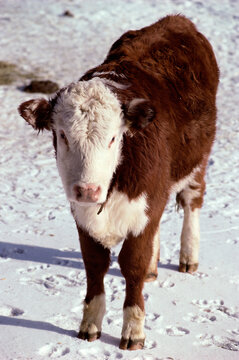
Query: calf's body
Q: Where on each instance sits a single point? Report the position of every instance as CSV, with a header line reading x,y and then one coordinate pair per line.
x,y
129,133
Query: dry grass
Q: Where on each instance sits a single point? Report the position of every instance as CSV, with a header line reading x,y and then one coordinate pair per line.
x,y
9,73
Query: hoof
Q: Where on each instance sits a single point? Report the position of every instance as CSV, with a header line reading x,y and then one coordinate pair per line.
x,y
128,344
189,268
152,276
89,337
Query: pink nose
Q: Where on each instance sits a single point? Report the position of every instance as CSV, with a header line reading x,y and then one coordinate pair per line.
x,y
87,193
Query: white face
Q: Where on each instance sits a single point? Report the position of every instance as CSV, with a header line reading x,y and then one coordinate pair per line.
x,y
89,126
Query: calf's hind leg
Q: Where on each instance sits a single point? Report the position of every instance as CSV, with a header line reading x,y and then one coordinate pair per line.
x,y
96,259
191,200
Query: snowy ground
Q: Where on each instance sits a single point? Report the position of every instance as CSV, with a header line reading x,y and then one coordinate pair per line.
x,y
42,279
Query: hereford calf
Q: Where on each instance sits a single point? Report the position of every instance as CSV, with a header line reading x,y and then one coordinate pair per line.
x,y
129,133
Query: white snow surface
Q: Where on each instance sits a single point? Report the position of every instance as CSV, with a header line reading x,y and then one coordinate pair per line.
x,y
42,279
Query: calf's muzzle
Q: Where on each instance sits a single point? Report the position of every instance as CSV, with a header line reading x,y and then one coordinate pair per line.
x,y
89,193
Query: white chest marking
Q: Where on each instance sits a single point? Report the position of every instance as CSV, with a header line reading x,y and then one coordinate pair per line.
x,y
119,217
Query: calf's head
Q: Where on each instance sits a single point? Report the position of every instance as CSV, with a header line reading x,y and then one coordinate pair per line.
x,y
88,123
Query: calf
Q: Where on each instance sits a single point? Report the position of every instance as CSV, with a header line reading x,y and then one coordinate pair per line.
x,y
129,133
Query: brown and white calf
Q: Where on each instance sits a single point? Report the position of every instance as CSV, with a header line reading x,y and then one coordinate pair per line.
x,y
127,134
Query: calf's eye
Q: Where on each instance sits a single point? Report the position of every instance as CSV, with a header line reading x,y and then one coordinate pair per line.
x,y
63,137
111,142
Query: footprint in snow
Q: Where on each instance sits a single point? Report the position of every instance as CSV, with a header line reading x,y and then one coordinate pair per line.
x,y
153,317
234,332
33,268
166,284
232,241
65,321
63,262
107,355
90,351
115,294
54,350
200,319
202,303
5,253
54,284
174,331
231,344
10,311
111,318
200,275
118,356
216,306
150,345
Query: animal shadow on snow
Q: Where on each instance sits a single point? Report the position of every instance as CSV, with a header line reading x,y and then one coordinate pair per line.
x,y
46,326
33,324
169,266
65,258
51,256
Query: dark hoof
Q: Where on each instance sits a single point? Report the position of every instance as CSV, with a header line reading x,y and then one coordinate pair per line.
x,y
128,344
189,268
151,277
89,337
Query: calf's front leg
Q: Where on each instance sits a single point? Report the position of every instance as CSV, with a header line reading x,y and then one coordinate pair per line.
x,y
96,259
134,260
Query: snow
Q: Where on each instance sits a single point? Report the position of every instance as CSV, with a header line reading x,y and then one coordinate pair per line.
x,y
42,279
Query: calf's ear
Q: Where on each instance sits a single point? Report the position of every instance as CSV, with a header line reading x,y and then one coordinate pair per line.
x,y
37,113
138,113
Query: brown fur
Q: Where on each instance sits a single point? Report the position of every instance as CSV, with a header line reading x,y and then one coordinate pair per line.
x,y
97,260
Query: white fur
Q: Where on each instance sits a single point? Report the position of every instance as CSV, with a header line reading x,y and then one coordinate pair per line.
x,y
190,237
133,104
115,84
97,73
155,254
133,325
119,217
183,183
93,314
90,116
